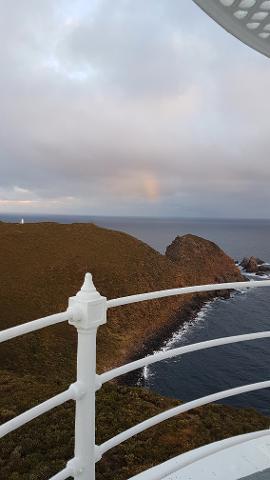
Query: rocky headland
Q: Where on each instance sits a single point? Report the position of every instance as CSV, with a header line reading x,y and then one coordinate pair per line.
x,y
199,262
41,265
202,261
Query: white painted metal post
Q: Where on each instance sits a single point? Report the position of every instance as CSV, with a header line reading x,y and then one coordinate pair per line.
x,y
88,309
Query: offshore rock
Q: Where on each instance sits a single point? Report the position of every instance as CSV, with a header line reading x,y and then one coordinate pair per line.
x,y
250,264
254,265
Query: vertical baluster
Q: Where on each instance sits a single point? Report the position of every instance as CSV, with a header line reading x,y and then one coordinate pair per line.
x,y
88,310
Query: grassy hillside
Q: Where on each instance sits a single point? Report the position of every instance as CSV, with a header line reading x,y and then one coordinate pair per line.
x,y
41,265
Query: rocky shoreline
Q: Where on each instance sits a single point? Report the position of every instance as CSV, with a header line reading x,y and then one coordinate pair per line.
x,y
163,335
186,313
255,265
248,265
156,342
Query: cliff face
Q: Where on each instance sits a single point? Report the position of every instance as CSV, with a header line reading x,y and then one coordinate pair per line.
x,y
202,261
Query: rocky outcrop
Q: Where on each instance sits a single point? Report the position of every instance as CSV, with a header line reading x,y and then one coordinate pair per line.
x,y
202,261
255,265
250,264
199,261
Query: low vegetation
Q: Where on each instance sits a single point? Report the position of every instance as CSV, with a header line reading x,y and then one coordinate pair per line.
x,y
41,448
41,265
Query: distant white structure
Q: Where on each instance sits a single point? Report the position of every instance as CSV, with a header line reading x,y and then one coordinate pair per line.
x,y
22,221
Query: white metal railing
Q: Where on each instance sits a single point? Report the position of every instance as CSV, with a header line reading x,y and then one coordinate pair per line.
x,y
168,468
87,311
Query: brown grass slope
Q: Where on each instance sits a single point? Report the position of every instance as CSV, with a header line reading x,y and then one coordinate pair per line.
x,y
41,265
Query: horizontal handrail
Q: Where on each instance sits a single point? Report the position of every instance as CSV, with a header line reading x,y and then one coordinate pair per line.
x,y
168,468
141,297
70,394
161,417
157,357
35,325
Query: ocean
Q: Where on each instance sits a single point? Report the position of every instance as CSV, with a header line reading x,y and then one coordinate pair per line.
x,y
202,373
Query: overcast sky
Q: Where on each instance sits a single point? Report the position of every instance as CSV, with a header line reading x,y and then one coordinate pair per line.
x,y
130,107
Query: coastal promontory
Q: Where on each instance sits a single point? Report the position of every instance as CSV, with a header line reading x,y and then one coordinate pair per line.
x,y
42,264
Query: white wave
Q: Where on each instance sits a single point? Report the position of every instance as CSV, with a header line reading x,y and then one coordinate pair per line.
x,y
253,276
240,291
146,372
189,325
199,318
179,334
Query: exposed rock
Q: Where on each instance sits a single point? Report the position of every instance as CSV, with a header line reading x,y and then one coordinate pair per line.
x,y
254,265
244,262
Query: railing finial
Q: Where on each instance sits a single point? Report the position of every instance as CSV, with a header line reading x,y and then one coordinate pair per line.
x,y
88,290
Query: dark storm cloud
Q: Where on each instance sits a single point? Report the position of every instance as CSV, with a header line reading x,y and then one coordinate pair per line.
x,y
123,107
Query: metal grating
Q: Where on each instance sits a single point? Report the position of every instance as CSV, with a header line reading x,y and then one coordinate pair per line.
x,y
248,20
265,475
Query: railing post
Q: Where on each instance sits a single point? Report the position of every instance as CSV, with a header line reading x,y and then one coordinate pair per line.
x,y
88,309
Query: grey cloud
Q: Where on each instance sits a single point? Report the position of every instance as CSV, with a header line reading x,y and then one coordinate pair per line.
x,y
123,107
135,47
